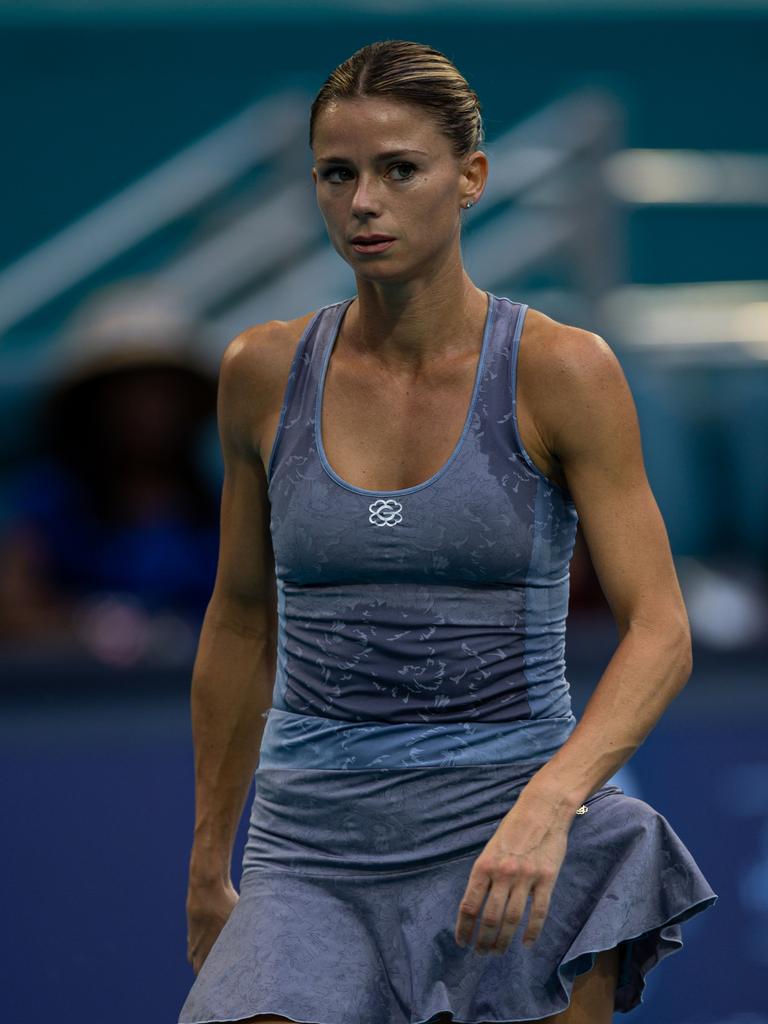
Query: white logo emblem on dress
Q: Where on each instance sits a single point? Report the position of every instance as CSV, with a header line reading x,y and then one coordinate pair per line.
x,y
385,512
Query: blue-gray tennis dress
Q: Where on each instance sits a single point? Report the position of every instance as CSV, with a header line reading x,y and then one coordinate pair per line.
x,y
419,685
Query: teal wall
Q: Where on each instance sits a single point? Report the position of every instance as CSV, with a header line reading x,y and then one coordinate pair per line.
x,y
89,107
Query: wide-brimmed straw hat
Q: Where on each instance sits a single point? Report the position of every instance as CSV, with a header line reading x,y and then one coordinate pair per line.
x,y
133,324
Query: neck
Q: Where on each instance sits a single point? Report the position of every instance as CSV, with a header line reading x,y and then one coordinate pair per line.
x,y
407,327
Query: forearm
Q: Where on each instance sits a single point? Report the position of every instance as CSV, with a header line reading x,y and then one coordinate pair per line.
x,y
231,689
648,669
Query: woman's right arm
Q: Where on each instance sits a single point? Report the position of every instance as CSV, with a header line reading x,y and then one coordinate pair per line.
x,y
234,668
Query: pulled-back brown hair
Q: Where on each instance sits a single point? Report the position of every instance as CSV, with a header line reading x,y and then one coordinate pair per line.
x,y
412,73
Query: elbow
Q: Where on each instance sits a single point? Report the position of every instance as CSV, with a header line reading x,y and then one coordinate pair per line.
x,y
673,638
686,656
680,651
252,617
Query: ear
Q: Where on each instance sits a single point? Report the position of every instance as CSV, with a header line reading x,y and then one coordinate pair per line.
x,y
314,175
475,174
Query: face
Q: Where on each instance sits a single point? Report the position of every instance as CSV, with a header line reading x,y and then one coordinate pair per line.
x,y
414,196
144,412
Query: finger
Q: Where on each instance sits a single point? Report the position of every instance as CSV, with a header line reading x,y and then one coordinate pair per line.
x,y
512,915
493,916
542,896
469,908
196,957
200,958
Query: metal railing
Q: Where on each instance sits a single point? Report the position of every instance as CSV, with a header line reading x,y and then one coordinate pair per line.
x,y
544,200
259,248
175,189
559,182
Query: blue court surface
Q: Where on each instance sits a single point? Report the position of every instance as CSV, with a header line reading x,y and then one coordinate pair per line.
x,y
97,811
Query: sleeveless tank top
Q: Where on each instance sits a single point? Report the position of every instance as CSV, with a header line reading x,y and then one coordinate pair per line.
x,y
423,626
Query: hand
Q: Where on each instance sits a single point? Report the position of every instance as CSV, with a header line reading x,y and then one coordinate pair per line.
x,y
208,909
523,856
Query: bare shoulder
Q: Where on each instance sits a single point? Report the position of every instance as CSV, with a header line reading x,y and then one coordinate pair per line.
x,y
261,355
584,404
253,374
573,382
570,353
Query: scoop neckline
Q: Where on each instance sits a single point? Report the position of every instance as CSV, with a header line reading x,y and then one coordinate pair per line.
x,y
336,330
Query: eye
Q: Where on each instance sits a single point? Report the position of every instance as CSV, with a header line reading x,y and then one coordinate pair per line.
x,y
411,166
326,175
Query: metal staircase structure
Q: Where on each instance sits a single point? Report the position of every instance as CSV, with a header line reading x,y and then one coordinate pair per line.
x,y
238,237
230,226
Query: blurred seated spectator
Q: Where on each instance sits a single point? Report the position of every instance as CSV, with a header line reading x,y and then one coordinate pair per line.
x,y
113,537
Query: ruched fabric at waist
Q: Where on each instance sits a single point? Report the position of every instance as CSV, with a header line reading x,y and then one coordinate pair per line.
x,y
378,822
311,741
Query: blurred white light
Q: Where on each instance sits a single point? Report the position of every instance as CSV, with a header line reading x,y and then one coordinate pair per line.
x,y
723,611
687,176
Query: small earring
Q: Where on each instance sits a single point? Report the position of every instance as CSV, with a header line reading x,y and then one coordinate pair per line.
x,y
468,204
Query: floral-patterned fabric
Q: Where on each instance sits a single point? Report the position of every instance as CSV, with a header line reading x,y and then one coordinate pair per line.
x,y
420,684
440,603
351,887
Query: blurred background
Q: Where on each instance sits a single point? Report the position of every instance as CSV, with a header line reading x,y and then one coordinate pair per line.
x,y
158,200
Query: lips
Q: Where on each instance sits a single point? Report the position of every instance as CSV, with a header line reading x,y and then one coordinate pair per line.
x,y
373,244
370,239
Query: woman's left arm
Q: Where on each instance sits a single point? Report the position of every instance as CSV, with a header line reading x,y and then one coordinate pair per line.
x,y
587,419
594,433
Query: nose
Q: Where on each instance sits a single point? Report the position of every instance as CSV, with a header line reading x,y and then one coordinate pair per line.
x,y
365,198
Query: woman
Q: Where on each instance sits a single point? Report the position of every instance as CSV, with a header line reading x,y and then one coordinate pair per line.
x,y
409,467
114,524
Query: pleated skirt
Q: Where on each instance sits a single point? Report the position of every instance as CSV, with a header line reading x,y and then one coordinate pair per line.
x,y
351,887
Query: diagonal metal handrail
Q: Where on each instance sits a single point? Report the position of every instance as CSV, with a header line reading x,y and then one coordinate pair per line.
x,y
178,185
530,170
237,261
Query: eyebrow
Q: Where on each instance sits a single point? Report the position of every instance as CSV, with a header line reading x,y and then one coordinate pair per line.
x,y
379,157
